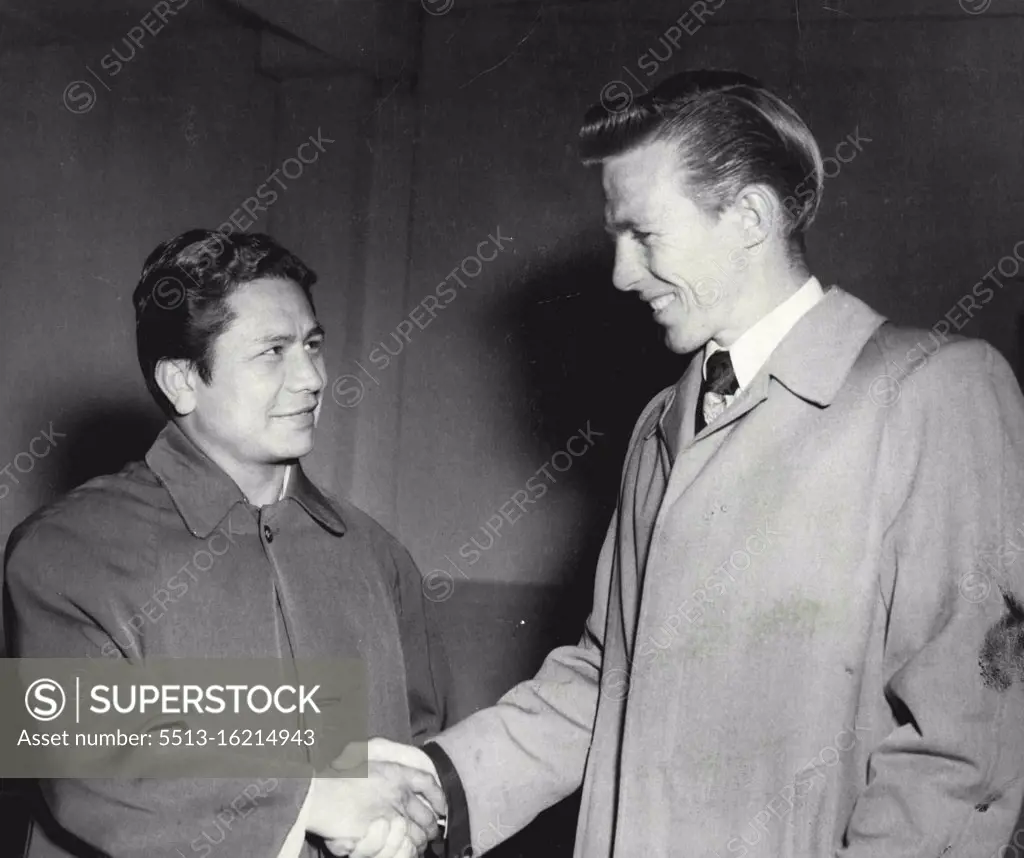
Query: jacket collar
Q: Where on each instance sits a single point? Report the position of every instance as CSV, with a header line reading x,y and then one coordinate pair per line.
x,y
812,361
204,495
301,489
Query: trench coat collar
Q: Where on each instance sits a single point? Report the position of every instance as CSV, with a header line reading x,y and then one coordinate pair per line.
x,y
814,359
204,495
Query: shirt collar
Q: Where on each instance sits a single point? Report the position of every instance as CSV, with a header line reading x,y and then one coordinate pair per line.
x,y
751,351
204,495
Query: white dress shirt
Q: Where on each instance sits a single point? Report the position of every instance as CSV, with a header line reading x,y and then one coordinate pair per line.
x,y
753,348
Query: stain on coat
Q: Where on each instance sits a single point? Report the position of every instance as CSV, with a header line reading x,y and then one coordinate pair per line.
x,y
1002,654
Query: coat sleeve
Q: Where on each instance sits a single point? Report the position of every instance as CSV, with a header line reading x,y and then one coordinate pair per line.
x,y
428,674
948,779
54,579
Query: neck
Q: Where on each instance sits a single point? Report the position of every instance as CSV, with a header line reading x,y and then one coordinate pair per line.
x,y
261,483
764,288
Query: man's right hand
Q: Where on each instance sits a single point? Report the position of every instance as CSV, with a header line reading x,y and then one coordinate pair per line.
x,y
344,808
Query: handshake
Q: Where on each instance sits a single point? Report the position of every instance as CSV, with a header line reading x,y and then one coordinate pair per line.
x,y
392,812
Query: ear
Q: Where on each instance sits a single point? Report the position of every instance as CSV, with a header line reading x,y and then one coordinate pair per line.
x,y
759,213
178,380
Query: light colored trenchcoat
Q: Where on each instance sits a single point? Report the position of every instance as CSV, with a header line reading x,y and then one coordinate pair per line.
x,y
807,632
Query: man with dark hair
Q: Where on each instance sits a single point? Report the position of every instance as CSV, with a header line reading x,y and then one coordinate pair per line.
x,y
806,630
231,349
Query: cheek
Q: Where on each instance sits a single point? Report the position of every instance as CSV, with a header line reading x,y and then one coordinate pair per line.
x,y
673,264
232,408
250,397
665,267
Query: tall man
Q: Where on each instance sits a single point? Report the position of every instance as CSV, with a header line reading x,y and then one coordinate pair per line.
x,y
806,635
232,351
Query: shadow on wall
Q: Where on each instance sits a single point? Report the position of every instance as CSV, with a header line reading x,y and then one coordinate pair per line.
x,y
584,352
102,440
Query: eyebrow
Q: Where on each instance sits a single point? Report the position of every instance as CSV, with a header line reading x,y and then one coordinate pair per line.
x,y
614,227
283,339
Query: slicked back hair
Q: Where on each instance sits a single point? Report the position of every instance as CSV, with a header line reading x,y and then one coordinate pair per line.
x,y
181,300
729,132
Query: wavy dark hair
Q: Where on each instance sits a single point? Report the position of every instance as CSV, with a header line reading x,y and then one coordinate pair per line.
x,y
181,304
729,132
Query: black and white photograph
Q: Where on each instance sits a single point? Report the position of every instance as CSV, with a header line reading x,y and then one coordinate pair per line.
x,y
523,428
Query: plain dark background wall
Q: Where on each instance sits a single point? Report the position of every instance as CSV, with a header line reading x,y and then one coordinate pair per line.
x,y
469,131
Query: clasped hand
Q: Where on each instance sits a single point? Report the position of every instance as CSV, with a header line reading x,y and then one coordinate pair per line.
x,y
392,812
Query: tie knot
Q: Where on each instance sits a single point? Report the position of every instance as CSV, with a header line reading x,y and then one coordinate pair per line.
x,y
721,378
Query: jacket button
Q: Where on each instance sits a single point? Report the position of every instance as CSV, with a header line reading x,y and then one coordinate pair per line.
x,y
268,533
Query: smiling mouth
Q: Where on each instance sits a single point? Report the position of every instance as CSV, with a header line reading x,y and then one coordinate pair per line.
x,y
661,302
303,413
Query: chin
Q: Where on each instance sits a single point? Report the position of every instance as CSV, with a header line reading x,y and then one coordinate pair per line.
x,y
293,448
681,343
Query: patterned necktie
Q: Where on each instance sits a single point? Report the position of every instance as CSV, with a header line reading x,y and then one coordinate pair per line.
x,y
720,382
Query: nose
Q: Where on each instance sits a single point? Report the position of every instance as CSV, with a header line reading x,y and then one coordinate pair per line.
x,y
628,272
309,372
